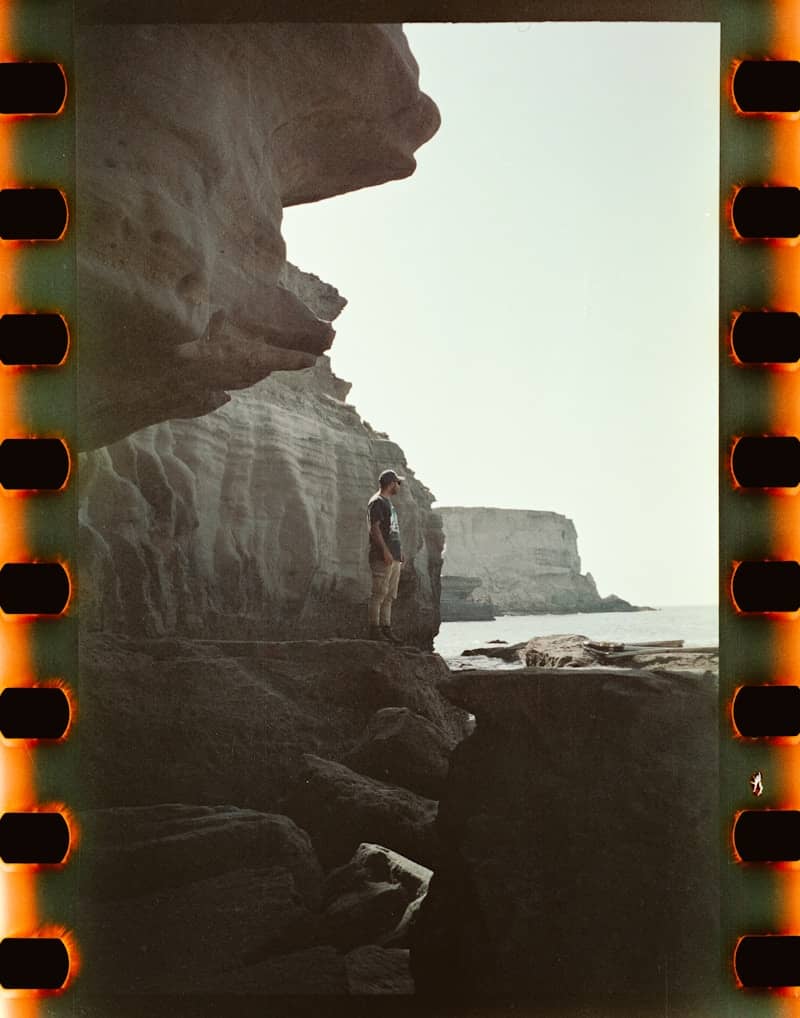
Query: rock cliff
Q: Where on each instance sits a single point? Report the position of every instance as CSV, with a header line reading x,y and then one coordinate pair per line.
x,y
526,561
223,489
250,522
192,140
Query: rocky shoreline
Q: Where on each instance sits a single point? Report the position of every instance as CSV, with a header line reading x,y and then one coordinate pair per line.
x,y
345,817
575,651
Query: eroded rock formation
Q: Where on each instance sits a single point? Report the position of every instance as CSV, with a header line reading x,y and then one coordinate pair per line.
x,y
222,509
526,561
192,140
250,522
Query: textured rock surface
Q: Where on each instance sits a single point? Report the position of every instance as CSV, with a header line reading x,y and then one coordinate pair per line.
x,y
193,139
403,748
174,893
457,603
138,850
250,522
228,722
574,651
527,561
372,874
511,653
580,835
561,651
340,808
206,930
377,970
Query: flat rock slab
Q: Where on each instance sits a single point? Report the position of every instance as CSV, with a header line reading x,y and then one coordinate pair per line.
x,y
127,852
375,898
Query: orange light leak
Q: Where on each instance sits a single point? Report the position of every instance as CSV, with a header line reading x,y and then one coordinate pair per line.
x,y
785,414
17,890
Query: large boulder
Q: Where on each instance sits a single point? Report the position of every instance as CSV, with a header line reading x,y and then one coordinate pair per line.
x,y
340,809
580,834
560,651
375,897
403,748
194,139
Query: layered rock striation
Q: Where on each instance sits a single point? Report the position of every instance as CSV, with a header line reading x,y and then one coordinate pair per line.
x,y
250,522
524,561
192,140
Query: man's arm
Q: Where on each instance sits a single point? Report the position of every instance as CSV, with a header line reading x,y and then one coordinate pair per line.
x,y
377,537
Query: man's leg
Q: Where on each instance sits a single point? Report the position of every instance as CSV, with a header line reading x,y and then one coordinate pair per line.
x,y
392,582
380,577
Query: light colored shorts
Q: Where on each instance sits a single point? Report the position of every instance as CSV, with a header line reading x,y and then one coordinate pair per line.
x,y
385,580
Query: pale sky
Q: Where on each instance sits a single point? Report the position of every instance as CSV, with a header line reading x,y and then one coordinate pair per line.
x,y
532,315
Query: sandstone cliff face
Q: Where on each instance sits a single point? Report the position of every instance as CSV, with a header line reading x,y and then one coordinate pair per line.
x,y
250,522
191,141
243,518
527,561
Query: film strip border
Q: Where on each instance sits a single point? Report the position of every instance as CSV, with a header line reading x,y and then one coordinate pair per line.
x,y
759,517
38,635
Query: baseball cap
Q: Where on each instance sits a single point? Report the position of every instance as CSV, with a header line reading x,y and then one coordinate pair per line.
x,y
388,476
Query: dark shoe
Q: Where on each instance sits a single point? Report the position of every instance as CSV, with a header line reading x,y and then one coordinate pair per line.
x,y
389,635
377,633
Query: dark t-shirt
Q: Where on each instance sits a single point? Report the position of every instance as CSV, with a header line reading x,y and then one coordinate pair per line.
x,y
380,510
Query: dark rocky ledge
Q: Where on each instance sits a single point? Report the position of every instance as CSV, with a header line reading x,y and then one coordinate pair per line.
x,y
579,833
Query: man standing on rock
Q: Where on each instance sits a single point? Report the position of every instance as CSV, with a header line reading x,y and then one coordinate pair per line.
x,y
385,556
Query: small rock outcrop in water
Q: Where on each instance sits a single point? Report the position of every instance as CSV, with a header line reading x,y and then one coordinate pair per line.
x,y
527,562
574,651
580,652
251,522
579,829
194,139
457,604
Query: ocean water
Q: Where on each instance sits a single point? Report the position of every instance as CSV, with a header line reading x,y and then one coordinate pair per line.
x,y
696,625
